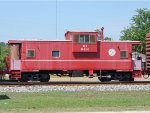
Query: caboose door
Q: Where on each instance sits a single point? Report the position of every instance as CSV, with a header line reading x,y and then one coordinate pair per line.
x,y
15,56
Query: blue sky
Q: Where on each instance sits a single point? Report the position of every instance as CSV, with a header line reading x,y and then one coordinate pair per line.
x,y
35,19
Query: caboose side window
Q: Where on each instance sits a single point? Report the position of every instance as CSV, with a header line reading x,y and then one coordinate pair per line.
x,y
30,53
55,54
124,54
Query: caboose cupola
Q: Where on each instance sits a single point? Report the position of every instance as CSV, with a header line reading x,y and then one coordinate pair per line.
x,y
83,41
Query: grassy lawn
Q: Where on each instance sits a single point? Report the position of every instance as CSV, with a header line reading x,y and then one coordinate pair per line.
x,y
74,101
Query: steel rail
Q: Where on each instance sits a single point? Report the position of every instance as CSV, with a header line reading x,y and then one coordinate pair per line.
x,y
74,83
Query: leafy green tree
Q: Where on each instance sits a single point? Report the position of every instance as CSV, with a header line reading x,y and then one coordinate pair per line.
x,y
139,27
108,38
3,53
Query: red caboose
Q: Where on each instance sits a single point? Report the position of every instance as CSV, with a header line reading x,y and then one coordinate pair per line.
x,y
81,53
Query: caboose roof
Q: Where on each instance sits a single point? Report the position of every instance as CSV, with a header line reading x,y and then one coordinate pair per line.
x,y
124,41
36,40
121,41
81,32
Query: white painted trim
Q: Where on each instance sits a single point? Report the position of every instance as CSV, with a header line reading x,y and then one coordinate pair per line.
x,y
118,41
37,40
76,60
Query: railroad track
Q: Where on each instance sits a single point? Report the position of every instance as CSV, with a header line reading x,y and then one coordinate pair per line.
x,y
74,83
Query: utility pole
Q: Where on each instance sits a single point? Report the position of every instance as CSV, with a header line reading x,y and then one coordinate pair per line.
x,y
56,20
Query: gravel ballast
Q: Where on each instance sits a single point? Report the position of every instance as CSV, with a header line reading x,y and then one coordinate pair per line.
x,y
74,88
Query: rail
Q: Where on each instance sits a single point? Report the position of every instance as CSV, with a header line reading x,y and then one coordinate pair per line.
x,y
74,83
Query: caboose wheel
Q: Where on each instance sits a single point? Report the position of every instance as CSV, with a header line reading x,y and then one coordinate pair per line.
x,y
44,77
128,77
101,79
105,77
146,75
24,78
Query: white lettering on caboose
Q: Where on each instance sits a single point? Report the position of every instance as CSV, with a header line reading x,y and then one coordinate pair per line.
x,y
85,48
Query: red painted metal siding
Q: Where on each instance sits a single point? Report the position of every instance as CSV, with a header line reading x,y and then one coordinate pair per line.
x,y
115,62
68,60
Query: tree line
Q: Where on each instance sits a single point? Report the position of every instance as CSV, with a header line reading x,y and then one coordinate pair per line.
x,y
3,53
138,28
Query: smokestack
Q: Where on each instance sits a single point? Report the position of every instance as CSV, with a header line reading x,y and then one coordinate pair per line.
x,y
102,34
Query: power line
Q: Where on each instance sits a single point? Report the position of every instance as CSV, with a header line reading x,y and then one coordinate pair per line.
x,y
56,20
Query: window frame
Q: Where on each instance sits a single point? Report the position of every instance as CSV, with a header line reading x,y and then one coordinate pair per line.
x,y
75,38
124,57
88,39
83,41
91,38
80,38
27,50
56,51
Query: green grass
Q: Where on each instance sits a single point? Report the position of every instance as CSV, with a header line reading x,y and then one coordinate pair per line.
x,y
74,101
